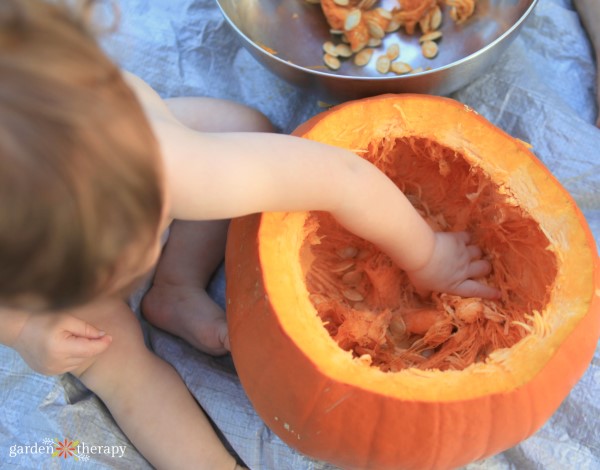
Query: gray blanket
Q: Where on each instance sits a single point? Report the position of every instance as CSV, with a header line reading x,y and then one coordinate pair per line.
x,y
541,91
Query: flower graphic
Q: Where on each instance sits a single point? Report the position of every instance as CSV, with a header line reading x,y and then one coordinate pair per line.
x,y
65,449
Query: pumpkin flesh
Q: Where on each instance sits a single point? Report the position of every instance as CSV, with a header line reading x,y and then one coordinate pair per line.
x,y
367,303
368,403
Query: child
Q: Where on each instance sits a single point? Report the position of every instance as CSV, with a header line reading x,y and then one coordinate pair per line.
x,y
94,166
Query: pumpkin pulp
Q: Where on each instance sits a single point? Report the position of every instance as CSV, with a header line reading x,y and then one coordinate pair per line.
x,y
367,303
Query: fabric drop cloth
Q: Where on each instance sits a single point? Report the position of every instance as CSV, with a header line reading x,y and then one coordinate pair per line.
x,y
541,91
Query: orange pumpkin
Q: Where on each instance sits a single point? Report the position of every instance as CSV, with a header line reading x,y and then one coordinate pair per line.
x,y
345,363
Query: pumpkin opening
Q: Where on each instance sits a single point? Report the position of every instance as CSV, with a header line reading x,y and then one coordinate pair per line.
x,y
369,307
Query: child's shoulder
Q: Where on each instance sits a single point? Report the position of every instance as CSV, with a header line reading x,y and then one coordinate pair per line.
x,y
173,137
154,106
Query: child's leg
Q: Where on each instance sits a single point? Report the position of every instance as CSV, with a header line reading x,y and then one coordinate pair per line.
x,y
177,301
147,398
215,115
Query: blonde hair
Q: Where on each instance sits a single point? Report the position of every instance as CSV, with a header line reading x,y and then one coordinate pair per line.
x,y
80,178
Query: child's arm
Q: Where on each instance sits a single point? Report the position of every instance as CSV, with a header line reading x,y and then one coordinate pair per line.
x,y
147,398
51,343
215,176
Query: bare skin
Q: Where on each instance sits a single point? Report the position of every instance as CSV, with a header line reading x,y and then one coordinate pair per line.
x,y
177,301
146,396
143,393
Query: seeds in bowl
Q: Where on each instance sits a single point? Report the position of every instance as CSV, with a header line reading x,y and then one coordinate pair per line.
x,y
360,24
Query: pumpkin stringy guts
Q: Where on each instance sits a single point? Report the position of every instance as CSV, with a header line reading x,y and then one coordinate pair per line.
x,y
361,25
367,303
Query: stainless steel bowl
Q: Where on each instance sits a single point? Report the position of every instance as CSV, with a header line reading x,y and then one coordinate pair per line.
x,y
287,36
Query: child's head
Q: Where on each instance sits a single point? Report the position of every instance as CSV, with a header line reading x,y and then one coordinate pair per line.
x,y
80,174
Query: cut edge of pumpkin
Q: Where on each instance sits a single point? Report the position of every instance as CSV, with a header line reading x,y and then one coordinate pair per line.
x,y
518,174
504,370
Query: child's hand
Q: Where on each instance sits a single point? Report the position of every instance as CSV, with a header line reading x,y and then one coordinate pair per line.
x,y
452,268
54,343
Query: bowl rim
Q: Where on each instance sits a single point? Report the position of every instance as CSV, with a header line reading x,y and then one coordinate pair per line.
x,y
515,26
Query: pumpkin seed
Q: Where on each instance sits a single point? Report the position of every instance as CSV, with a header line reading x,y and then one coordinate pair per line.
x,y
397,326
375,30
384,13
393,51
363,57
383,64
342,3
429,49
436,18
347,252
329,48
374,42
352,20
352,277
425,23
332,62
353,295
427,353
393,26
343,50
343,266
400,67
454,14
432,36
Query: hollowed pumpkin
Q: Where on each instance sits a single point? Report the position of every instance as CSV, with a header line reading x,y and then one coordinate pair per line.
x,y
347,364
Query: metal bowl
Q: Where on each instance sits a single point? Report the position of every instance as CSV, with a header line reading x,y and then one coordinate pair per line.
x,y
287,36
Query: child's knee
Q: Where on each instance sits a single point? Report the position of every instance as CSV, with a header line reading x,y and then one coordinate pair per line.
x,y
217,115
118,321
258,122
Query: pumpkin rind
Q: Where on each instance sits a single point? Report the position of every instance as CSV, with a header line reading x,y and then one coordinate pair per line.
x,y
327,404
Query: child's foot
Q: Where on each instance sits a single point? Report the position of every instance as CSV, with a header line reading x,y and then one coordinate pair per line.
x,y
188,312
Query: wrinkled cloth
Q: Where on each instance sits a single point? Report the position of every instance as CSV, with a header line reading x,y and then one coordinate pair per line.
x,y
541,91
